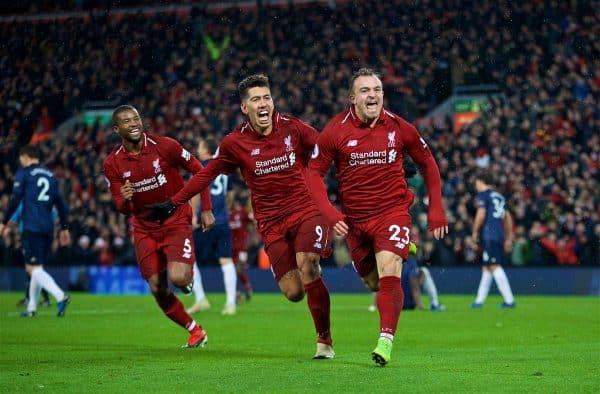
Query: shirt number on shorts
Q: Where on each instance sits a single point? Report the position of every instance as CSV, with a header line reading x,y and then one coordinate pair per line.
x,y
319,232
187,249
397,231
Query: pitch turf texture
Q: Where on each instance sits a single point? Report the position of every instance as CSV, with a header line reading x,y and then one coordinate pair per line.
x,y
124,344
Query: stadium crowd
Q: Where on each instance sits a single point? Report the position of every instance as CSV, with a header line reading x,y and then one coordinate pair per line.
x,y
540,138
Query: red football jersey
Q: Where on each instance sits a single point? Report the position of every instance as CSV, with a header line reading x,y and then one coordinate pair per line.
x,y
369,164
273,166
155,177
239,221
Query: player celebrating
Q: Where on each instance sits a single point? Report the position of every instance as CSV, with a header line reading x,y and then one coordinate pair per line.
x,y
367,143
497,235
217,239
272,151
143,170
36,188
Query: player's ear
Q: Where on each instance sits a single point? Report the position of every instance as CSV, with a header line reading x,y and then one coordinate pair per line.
x,y
352,99
244,108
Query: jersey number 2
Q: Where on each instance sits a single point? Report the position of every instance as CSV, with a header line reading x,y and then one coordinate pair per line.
x,y
44,185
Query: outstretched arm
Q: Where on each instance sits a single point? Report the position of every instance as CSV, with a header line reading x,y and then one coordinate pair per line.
x,y
418,150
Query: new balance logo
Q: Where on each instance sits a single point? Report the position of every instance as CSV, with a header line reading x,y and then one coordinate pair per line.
x,y
352,143
126,174
255,152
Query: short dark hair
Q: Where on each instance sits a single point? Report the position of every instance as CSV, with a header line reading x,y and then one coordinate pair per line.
x,y
362,72
485,177
252,81
32,151
119,109
210,144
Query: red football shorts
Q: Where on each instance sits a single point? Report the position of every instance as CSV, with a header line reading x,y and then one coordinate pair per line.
x,y
155,249
296,233
388,231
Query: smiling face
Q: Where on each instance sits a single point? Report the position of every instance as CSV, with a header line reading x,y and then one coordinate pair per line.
x,y
129,126
258,107
367,97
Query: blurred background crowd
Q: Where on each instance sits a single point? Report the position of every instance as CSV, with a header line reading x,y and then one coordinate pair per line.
x,y
540,138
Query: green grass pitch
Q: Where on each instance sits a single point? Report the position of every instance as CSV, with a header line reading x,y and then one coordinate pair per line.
x,y
124,344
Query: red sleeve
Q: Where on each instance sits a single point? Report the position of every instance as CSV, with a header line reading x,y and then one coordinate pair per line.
x,y
115,182
221,164
320,162
308,136
418,150
183,158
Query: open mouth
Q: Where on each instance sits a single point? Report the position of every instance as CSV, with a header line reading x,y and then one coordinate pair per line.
x,y
263,116
371,105
135,132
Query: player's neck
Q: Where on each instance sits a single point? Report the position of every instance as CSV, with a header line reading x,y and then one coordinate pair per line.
x,y
263,131
133,148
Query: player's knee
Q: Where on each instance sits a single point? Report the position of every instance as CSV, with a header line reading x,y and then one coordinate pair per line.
x,y
181,280
294,295
371,283
308,266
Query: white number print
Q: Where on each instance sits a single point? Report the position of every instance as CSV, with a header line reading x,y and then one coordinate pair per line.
x,y
187,249
498,202
44,185
319,231
396,232
218,185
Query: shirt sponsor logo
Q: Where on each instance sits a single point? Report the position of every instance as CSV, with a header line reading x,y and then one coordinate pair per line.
x,y
255,152
279,163
149,183
373,157
352,143
156,165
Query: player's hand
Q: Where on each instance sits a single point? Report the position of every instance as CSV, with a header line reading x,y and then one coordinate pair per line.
x,y
161,211
127,191
64,238
340,228
208,220
195,223
3,230
508,245
439,232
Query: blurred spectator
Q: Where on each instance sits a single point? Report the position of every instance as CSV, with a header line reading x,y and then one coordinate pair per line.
x,y
540,138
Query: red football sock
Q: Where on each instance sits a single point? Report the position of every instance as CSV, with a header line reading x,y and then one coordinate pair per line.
x,y
244,280
317,297
174,310
390,300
